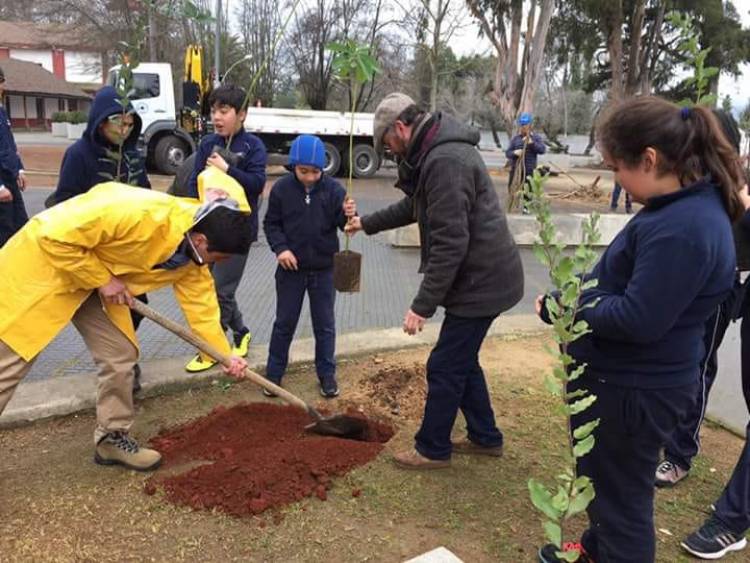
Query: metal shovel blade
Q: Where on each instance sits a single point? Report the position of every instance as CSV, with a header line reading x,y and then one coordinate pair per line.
x,y
340,426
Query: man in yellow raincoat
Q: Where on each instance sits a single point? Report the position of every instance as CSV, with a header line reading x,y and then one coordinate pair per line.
x,y
82,260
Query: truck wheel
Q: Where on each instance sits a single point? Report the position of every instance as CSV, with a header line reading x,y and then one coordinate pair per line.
x,y
366,161
170,153
333,159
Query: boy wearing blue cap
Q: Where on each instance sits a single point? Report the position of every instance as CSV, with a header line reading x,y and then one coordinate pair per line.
x,y
304,210
525,144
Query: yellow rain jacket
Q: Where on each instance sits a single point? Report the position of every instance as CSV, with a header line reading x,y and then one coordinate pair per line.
x,y
50,267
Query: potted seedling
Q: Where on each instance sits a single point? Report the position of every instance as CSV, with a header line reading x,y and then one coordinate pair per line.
x,y
59,124
570,493
352,64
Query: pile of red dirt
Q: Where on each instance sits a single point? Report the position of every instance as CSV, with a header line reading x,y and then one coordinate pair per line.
x,y
252,457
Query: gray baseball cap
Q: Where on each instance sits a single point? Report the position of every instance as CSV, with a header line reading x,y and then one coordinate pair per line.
x,y
385,116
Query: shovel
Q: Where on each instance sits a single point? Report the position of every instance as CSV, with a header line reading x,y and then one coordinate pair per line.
x,y
339,425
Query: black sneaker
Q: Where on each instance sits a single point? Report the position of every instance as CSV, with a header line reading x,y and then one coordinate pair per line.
x,y
547,553
713,541
329,388
136,378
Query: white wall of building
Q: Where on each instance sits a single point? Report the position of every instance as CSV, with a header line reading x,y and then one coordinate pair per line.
x,y
31,107
50,106
43,58
15,107
83,67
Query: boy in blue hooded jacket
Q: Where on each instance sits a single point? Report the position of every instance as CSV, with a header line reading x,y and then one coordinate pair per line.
x,y
86,162
304,210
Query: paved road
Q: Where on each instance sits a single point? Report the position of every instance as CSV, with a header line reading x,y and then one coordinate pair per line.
x,y
389,283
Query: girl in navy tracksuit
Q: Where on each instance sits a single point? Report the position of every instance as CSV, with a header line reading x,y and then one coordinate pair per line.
x,y
658,281
305,209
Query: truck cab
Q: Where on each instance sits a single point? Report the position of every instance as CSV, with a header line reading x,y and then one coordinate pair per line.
x,y
166,144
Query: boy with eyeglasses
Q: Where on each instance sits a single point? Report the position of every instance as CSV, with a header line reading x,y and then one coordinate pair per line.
x,y
12,179
91,159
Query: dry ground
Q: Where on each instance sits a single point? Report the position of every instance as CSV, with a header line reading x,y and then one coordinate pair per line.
x,y
57,505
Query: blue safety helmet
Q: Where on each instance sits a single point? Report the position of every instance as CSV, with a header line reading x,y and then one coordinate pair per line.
x,y
307,150
525,118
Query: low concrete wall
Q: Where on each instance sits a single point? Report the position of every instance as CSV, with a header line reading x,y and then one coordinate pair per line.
x,y
524,229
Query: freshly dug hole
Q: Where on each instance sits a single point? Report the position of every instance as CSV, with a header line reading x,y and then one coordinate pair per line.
x,y
256,456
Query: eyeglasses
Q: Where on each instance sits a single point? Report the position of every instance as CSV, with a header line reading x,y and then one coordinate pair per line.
x,y
118,120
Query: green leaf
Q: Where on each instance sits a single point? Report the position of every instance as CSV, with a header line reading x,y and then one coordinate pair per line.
x,y
710,71
582,404
589,284
560,374
581,483
553,532
560,501
565,268
576,394
577,372
584,446
542,499
585,429
581,499
553,386
571,556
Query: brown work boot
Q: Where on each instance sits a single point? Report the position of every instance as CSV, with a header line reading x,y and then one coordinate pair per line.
x,y
412,459
117,448
467,447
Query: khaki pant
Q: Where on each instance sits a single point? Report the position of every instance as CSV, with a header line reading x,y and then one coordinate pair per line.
x,y
114,355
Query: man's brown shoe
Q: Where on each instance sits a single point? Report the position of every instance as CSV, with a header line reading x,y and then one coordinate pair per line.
x,y
412,459
467,447
117,448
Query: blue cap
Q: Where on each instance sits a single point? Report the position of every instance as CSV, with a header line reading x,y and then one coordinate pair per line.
x,y
307,150
525,118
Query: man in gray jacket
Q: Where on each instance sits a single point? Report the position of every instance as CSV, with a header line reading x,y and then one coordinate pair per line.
x,y
470,263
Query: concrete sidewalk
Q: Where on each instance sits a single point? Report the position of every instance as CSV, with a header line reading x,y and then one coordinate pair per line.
x,y
59,396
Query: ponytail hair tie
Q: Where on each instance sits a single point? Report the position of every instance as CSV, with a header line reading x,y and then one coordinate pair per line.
x,y
685,113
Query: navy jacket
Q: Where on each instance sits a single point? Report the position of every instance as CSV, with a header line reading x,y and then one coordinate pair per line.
x,y
305,225
10,162
250,172
535,147
659,280
86,163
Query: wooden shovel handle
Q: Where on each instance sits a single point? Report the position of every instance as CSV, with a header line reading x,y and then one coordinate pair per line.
x,y
191,338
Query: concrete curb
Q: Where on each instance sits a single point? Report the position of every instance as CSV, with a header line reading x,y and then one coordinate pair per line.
x,y
524,229
56,397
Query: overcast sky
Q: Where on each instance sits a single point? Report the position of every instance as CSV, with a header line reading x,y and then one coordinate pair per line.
x,y
739,89
466,43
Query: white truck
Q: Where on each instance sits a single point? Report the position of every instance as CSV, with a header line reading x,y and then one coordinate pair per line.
x,y
167,144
